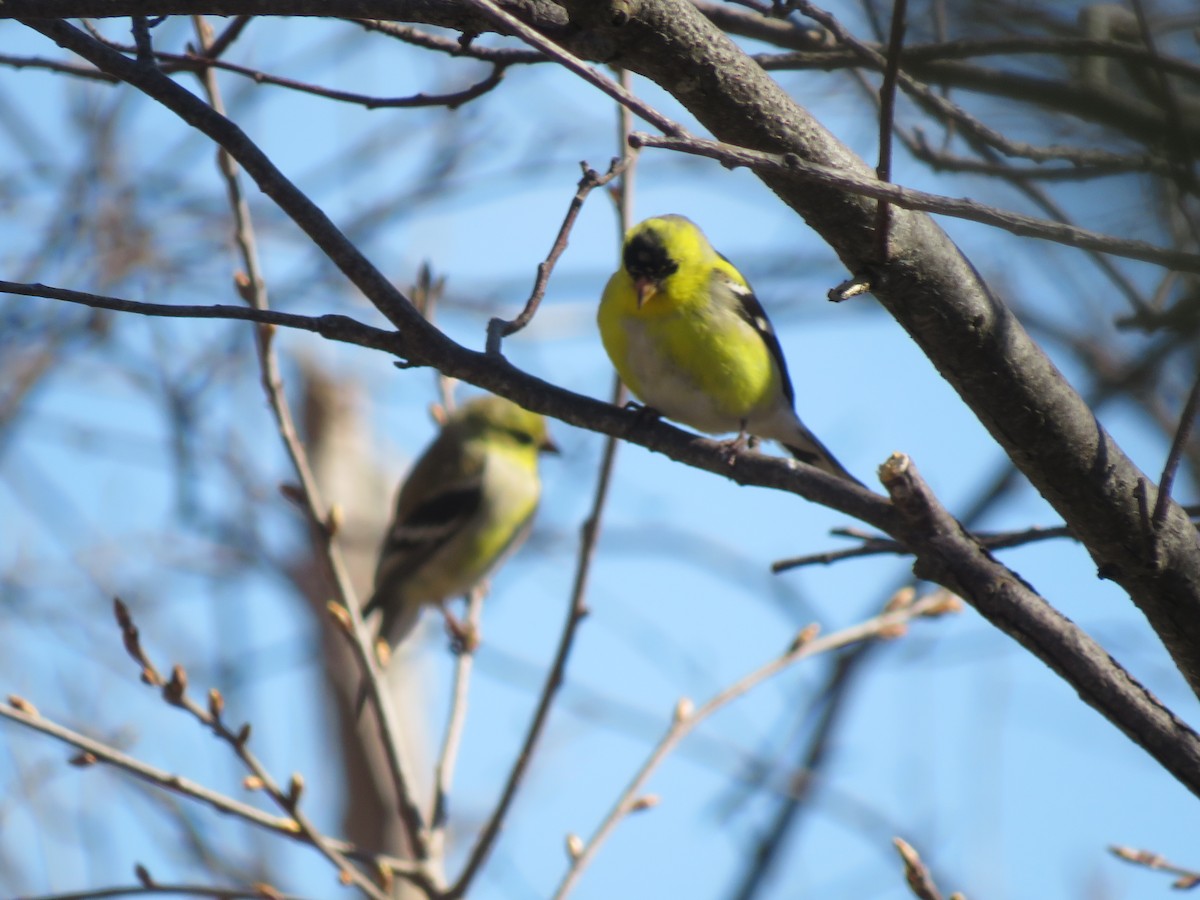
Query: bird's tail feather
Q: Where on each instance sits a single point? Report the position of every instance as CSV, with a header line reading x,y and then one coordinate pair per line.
x,y
398,619
805,446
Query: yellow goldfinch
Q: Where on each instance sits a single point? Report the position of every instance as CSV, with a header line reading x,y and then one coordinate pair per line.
x,y
690,339
467,503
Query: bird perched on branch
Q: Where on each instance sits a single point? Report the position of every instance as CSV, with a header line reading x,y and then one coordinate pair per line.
x,y
687,335
466,505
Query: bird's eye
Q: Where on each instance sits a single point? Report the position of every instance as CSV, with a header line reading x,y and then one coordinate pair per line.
x,y
523,437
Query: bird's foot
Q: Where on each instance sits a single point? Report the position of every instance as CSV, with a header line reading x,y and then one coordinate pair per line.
x,y
642,413
464,636
735,445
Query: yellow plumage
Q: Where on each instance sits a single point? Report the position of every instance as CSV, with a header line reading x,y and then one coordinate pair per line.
x,y
687,334
467,503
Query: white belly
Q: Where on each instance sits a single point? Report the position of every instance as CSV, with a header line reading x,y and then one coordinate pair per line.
x,y
663,385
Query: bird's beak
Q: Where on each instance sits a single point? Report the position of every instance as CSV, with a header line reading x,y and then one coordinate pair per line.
x,y
548,446
645,289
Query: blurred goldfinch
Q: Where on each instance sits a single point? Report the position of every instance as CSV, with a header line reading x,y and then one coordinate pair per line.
x,y
690,339
467,503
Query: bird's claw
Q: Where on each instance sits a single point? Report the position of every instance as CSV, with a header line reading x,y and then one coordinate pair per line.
x,y
732,447
642,412
464,637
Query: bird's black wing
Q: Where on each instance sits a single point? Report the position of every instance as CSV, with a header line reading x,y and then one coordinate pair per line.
x,y
751,310
423,531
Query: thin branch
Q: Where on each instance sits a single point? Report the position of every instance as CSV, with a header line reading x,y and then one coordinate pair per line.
x,y
1181,146
939,104
1188,878
225,39
94,751
940,160
1186,420
869,547
208,58
448,756
426,293
873,545
916,873
887,115
159,889
333,327
686,719
589,538
512,25
386,297
498,328
830,705
508,56
907,198
252,286
54,65
174,692
1023,180
576,611
498,376
453,100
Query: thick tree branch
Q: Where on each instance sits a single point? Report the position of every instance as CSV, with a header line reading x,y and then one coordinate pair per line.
x,y
946,553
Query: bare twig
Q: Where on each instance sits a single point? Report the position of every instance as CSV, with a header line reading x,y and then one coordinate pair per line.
x,y
453,100
830,56
225,39
873,545
498,329
209,58
686,718
515,26
1186,420
426,293
163,889
175,692
211,715
506,55
1181,144
576,611
887,114
338,328
54,65
1188,878
577,606
916,873
93,752
252,287
943,107
1025,226
943,160
827,708
444,770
